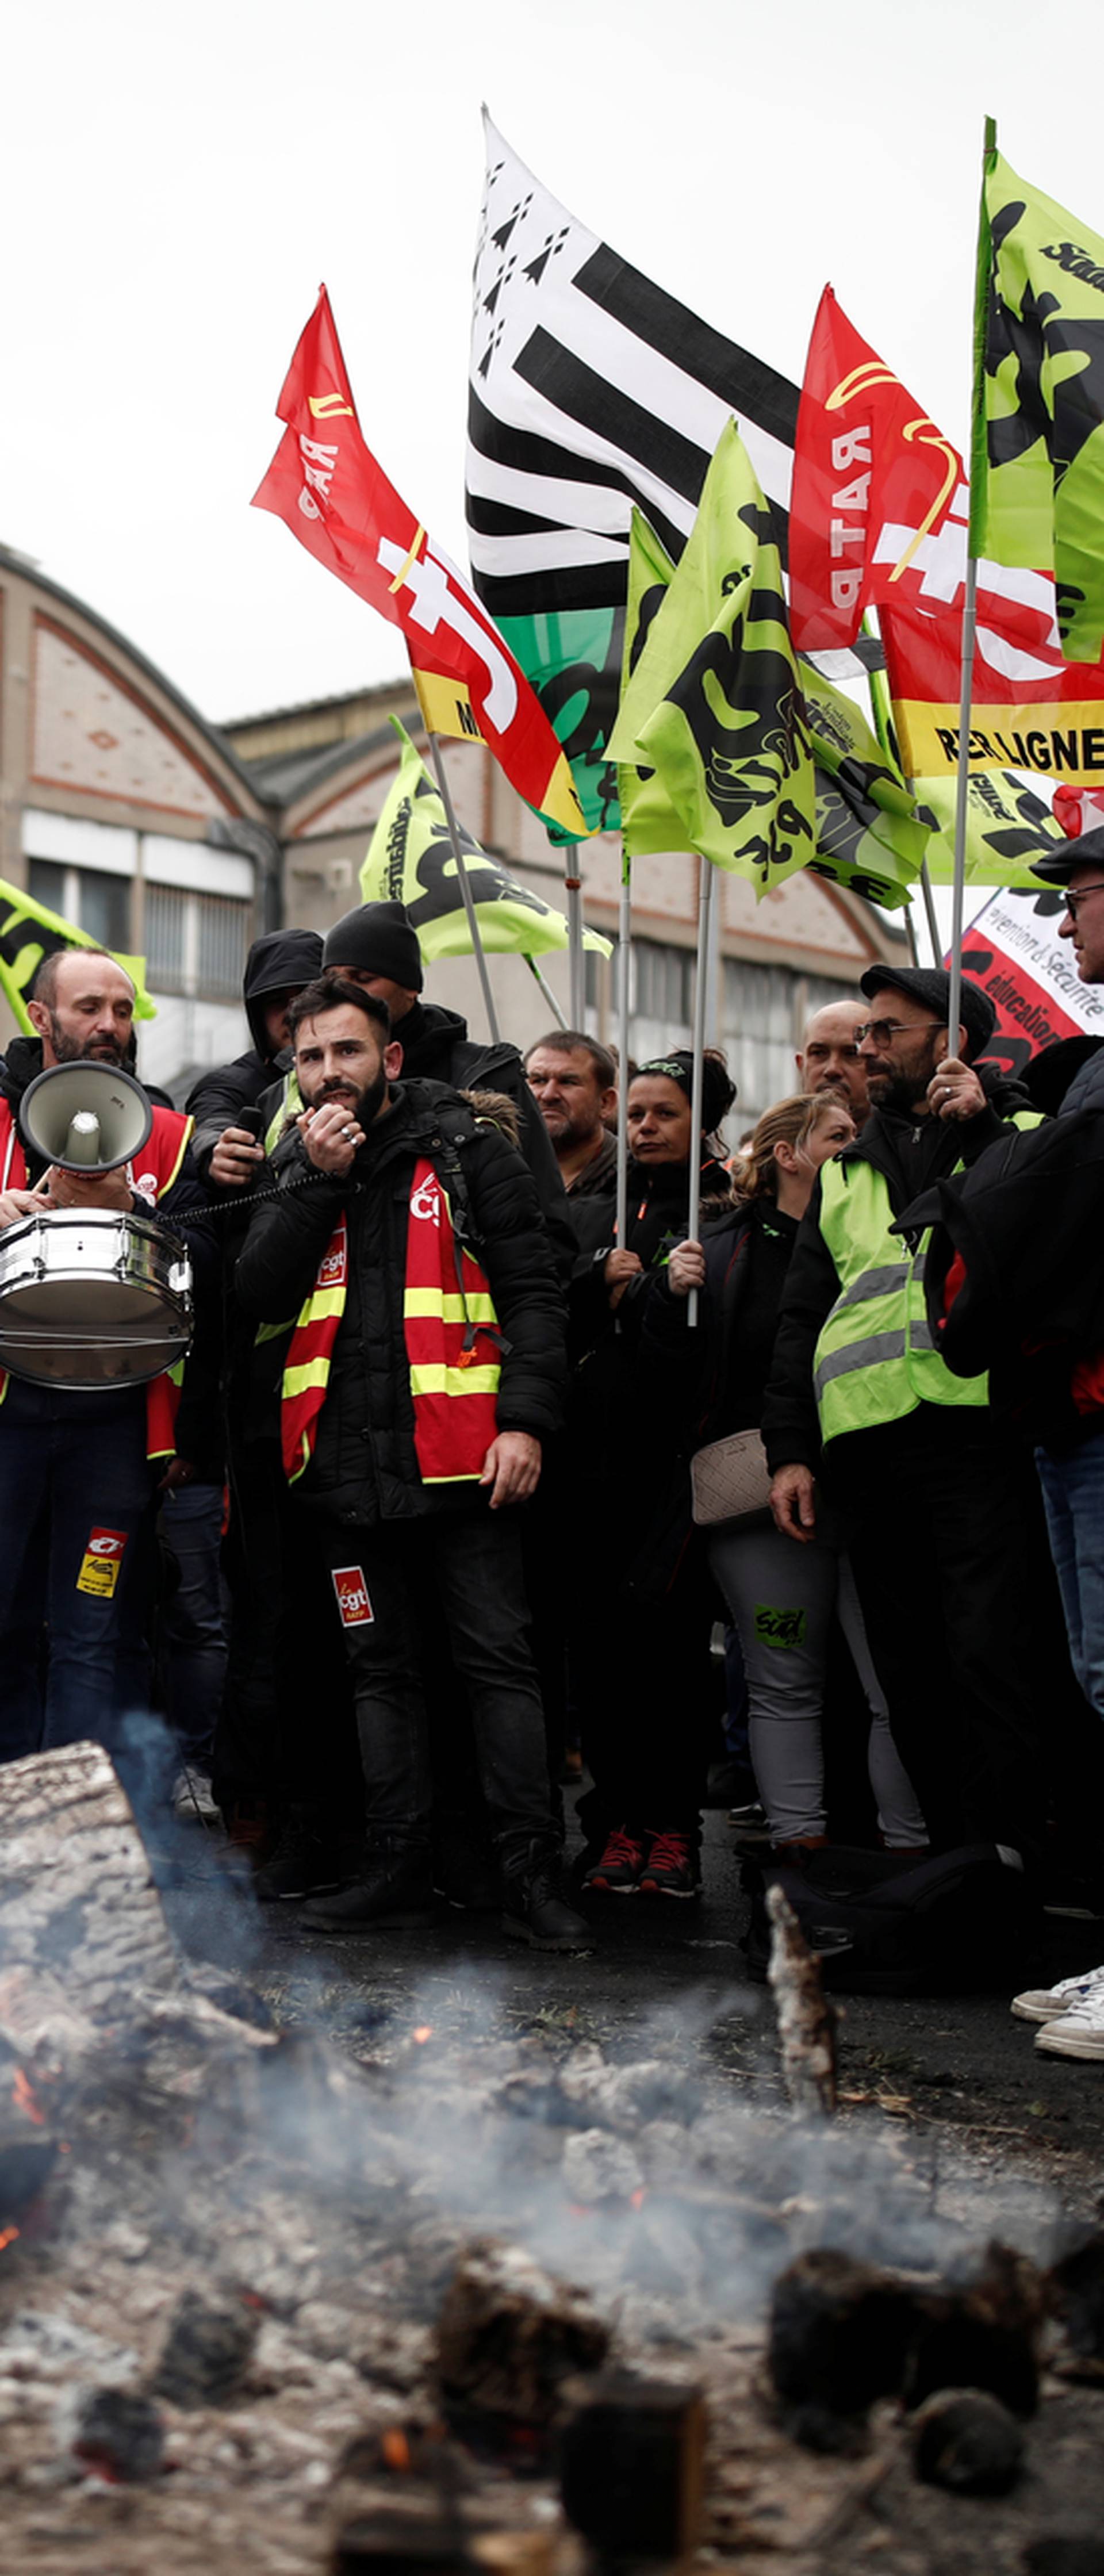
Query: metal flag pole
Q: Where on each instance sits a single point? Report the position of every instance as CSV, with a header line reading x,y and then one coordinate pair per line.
x,y
929,915
978,471
465,887
574,889
558,1015
697,1095
624,962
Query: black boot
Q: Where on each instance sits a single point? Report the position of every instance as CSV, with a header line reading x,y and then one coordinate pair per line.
x,y
537,1909
306,1862
393,1891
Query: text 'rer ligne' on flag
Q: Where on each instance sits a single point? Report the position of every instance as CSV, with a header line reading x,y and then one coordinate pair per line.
x,y
328,489
867,836
410,860
591,390
29,932
880,517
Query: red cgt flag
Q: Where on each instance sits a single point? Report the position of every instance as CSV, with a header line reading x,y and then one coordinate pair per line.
x,y
327,487
874,481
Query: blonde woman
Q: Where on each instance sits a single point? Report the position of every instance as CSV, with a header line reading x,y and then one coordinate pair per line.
x,y
783,1610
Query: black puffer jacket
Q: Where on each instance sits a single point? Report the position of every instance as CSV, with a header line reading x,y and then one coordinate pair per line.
x,y
436,1048
283,960
364,1465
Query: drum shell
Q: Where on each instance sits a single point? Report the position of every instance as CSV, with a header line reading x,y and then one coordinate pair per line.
x,y
91,1298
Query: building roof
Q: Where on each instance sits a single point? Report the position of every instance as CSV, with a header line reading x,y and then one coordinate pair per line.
x,y
25,569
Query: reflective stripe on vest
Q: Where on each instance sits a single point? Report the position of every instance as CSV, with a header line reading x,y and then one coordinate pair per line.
x,y
446,1311
162,1156
875,1359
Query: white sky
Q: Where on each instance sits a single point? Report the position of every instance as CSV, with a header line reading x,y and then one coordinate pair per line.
x,y
175,181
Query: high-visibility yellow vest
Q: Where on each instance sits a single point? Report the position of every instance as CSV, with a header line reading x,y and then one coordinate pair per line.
x,y
875,1359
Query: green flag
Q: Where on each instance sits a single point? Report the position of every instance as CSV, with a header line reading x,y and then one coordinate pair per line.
x,y
410,860
29,932
1007,826
1041,504
725,726
867,835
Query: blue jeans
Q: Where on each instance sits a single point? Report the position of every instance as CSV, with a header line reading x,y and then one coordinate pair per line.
x,y
75,1490
1073,1494
193,1633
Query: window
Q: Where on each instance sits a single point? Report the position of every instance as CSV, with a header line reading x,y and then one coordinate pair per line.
x,y
166,959
224,928
196,943
97,903
662,998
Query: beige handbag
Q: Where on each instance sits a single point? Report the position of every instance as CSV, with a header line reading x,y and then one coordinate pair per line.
x,y
730,1479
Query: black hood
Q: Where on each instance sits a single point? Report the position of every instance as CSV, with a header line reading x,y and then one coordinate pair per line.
x,y
279,961
22,1060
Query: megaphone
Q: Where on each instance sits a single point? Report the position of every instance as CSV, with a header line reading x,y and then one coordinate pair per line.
x,y
87,1117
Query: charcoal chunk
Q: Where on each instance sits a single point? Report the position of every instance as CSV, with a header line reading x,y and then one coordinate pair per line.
x,y
115,2433
1076,2287
1059,2553
205,2353
965,2440
840,2332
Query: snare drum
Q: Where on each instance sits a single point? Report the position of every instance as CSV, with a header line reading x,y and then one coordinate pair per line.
x,y
89,1298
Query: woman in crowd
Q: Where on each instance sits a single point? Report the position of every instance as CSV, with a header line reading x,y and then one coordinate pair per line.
x,y
782,1599
642,1678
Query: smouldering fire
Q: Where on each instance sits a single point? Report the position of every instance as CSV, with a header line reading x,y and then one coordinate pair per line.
x,y
395,2447
637,2198
424,2033
27,2098
7,2237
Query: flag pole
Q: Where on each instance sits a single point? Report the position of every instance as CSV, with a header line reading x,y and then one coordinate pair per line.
x,y
465,885
978,472
697,1094
573,887
553,1005
883,727
624,960
929,914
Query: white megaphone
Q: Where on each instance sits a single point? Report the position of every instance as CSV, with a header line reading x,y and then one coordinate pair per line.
x,y
87,1117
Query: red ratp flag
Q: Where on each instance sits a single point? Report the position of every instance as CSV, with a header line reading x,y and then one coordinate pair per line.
x,y
873,480
326,485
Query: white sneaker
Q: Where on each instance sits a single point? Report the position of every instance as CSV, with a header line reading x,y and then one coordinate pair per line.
x,y
193,1799
1045,2003
1079,2031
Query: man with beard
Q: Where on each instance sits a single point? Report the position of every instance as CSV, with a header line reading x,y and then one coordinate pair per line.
x,y
829,1060
426,1368
945,1541
78,1470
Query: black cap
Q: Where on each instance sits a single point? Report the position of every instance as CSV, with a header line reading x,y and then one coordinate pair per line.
x,y
381,939
931,985
1087,851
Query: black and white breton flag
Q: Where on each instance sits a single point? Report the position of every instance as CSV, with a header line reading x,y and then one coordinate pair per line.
x,y
591,388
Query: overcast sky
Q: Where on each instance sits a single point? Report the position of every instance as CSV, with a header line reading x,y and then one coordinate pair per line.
x,y
175,182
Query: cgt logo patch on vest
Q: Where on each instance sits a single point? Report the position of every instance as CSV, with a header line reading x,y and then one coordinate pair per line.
x,y
100,1563
334,1268
353,1605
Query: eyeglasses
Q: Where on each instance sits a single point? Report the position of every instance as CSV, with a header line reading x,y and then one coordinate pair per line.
x,y
1075,901
883,1030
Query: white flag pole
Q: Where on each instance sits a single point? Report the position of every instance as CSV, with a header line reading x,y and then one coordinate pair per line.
x,y
697,1094
573,888
558,1015
624,962
465,887
978,473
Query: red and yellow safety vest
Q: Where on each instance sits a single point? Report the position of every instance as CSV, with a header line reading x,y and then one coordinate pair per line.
x,y
160,1159
447,1310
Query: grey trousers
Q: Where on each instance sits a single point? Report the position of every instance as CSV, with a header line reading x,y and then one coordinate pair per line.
x,y
783,1598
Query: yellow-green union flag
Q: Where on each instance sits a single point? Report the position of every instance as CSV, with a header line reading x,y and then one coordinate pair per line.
x,y
410,860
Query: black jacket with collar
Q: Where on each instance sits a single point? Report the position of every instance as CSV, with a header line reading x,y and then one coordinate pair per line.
x,y
364,1465
436,1048
911,1153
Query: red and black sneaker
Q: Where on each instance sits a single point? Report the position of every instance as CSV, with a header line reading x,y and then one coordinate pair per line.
x,y
618,1871
672,1867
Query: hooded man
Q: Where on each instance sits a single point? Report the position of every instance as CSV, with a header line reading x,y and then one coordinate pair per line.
x,y
276,969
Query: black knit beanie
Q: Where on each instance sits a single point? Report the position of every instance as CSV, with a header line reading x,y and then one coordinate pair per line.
x,y
381,939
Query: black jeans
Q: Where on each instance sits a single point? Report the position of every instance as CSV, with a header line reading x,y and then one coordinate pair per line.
x,y
957,1589
470,1562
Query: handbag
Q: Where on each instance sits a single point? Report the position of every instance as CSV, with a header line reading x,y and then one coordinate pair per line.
x,y
730,1479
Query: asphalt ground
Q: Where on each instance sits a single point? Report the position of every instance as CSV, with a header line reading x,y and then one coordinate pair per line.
x,y
674,1972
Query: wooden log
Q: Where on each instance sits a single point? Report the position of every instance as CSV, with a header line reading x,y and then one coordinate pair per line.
x,y
806,2020
76,1894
